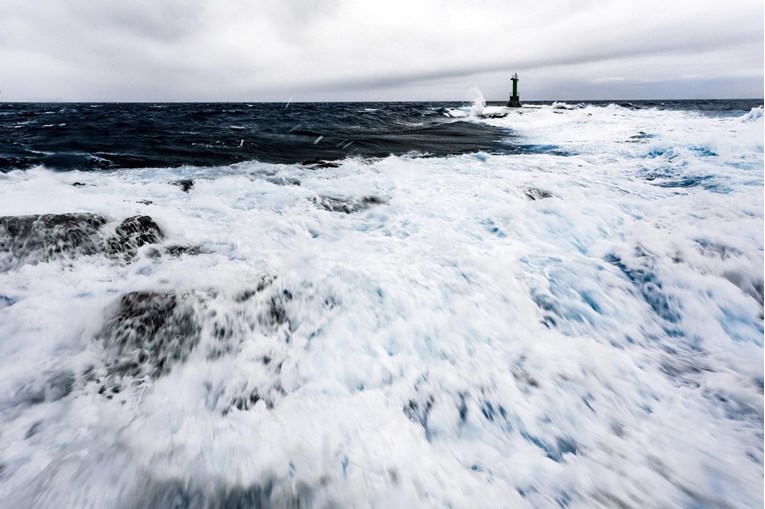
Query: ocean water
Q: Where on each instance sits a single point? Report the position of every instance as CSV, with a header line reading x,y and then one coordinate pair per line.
x,y
381,305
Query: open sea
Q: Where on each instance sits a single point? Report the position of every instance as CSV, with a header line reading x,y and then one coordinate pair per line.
x,y
381,305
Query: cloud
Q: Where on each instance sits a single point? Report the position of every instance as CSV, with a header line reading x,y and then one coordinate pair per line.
x,y
359,49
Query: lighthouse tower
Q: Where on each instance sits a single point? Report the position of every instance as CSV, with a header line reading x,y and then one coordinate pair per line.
x,y
515,101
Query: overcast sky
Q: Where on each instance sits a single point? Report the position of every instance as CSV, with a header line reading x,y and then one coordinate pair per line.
x,y
358,50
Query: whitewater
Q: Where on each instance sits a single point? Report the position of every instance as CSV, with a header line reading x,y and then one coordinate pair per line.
x,y
578,326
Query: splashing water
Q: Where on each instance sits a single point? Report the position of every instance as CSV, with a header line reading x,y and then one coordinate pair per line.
x,y
479,102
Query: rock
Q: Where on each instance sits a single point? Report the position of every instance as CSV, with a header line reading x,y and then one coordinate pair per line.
x,y
532,193
178,250
46,237
347,205
131,234
145,202
41,238
184,184
149,332
316,164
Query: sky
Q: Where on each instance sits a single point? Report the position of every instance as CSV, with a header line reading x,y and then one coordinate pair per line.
x,y
362,50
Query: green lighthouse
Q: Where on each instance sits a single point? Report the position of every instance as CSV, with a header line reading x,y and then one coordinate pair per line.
x,y
515,101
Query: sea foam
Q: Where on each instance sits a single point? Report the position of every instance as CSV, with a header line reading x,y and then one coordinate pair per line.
x,y
581,327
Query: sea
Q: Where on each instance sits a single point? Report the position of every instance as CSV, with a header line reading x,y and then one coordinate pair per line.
x,y
381,305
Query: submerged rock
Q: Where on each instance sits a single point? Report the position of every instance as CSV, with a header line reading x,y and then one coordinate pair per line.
x,y
41,238
148,333
131,234
532,193
347,205
178,250
184,184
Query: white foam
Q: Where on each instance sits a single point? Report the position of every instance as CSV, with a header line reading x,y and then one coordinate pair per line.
x,y
644,387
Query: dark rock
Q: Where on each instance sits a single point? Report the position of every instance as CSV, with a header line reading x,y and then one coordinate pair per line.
x,y
41,238
148,333
145,202
153,253
177,250
275,314
532,193
78,184
316,164
133,233
347,205
184,184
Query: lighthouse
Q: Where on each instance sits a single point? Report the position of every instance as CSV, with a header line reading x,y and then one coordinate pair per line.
x,y
515,101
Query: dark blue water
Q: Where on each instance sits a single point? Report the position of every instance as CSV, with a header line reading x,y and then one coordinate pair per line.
x,y
112,136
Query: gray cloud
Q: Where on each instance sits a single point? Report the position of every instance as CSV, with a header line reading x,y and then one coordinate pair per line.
x,y
363,50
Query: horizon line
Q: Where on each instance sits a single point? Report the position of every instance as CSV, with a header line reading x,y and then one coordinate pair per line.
x,y
368,102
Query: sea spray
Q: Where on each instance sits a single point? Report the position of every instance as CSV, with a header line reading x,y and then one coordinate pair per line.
x,y
479,103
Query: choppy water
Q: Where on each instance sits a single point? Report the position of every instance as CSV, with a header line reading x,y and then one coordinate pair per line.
x,y
559,306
